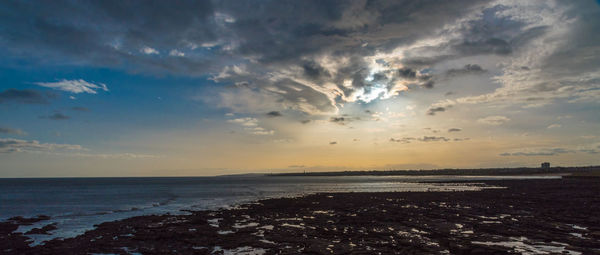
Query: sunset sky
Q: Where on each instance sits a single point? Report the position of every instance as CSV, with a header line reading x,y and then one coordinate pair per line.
x,y
178,88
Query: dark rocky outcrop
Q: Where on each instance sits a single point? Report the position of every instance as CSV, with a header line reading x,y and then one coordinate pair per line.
x,y
559,213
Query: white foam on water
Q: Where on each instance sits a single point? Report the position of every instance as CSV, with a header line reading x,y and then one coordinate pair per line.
x,y
491,222
214,222
225,232
577,235
521,245
245,250
267,241
247,225
328,212
289,219
578,227
267,227
292,225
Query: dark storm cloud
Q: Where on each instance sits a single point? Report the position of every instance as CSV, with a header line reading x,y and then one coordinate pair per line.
x,y
489,46
542,152
279,31
402,140
200,38
274,114
332,143
423,62
432,130
433,139
110,33
26,96
428,84
421,139
492,34
57,116
466,70
106,33
314,71
458,49
339,120
407,73
432,111
579,56
11,131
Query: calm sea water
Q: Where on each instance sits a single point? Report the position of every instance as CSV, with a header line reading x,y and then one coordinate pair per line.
x,y
76,204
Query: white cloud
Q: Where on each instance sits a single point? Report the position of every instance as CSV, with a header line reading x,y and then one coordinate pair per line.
x,y
74,86
537,73
374,75
223,18
17,145
8,145
554,126
493,120
440,106
149,51
114,155
228,71
208,45
261,131
593,148
176,53
244,100
251,125
246,122
538,152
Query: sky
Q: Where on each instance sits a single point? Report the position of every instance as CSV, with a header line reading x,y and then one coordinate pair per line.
x,y
201,88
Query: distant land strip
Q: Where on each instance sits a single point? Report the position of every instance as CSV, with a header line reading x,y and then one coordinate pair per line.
x,y
576,171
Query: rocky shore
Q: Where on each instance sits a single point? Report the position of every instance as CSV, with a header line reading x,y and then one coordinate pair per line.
x,y
557,216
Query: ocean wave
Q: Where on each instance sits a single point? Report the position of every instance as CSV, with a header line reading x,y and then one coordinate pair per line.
x,y
125,210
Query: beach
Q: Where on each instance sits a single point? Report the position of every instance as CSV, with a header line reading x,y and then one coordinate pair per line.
x,y
551,216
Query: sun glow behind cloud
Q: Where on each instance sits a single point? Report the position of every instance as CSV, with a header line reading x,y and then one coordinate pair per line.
x,y
220,87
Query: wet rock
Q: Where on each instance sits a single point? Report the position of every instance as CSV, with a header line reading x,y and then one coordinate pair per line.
x,y
28,221
43,230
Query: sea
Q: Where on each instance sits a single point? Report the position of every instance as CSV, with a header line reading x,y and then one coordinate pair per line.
x,y
77,204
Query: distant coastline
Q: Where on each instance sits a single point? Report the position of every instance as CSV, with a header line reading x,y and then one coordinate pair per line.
x,y
563,171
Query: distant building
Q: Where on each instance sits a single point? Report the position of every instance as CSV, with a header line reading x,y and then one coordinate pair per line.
x,y
546,165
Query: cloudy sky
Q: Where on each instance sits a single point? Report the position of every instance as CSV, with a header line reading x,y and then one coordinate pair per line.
x,y
165,88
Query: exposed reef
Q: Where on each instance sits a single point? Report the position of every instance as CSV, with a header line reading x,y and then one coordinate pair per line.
x,y
557,216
